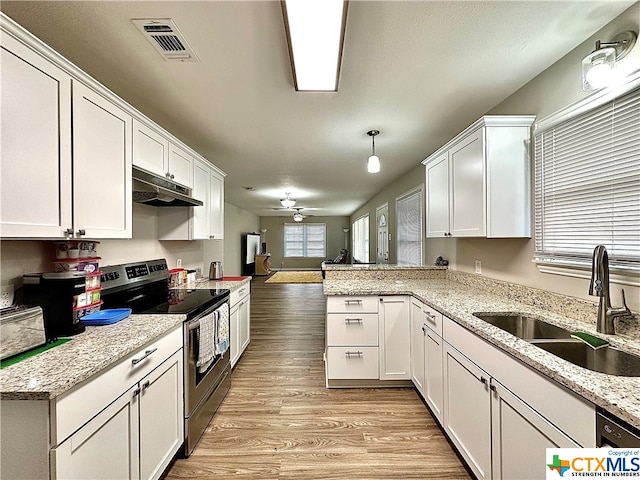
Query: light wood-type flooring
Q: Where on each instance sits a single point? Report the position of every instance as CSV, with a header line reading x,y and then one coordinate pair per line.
x,y
279,421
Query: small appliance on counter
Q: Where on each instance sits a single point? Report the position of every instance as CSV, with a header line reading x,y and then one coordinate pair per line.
x,y
215,271
63,298
21,329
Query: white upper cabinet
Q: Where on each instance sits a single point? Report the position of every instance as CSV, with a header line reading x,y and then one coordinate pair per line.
x,y
181,165
204,222
60,177
152,151
478,184
35,165
101,166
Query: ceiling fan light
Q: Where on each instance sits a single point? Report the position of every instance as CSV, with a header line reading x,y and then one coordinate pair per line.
x,y
287,201
373,164
297,217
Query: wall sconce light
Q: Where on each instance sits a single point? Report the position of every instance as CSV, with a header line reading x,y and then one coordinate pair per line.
x,y
287,201
598,68
298,217
373,163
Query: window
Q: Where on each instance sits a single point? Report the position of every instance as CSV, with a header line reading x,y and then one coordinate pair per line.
x,y
305,240
587,187
409,219
360,233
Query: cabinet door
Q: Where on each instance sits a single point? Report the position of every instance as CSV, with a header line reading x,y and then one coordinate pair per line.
x,y
394,336
101,166
161,416
433,376
150,149
468,193
437,182
180,166
245,323
35,165
418,335
467,410
202,192
234,333
217,206
521,437
105,448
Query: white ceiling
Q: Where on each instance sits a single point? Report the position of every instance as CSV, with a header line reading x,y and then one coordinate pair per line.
x,y
419,72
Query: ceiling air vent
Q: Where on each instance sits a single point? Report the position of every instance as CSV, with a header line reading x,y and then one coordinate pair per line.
x,y
166,39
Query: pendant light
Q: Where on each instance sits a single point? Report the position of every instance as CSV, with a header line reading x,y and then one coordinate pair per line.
x,y
373,163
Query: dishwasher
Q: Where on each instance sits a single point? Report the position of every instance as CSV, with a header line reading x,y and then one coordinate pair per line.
x,y
614,432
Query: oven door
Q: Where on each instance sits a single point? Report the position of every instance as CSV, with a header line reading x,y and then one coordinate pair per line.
x,y
198,385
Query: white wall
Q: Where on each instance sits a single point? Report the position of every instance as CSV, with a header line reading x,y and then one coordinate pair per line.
x,y
237,222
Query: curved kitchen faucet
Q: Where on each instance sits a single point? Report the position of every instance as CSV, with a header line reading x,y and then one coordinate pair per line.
x,y
599,287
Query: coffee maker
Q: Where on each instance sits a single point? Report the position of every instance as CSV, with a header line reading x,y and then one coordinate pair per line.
x,y
57,294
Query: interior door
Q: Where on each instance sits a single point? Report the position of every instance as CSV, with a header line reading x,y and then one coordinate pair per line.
x,y
382,222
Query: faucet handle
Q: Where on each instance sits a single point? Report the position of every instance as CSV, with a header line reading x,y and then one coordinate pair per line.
x,y
624,309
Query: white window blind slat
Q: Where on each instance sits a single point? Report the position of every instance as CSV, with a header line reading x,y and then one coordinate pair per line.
x,y
409,229
305,240
587,185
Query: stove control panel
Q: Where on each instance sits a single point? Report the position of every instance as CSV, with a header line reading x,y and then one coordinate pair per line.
x,y
128,274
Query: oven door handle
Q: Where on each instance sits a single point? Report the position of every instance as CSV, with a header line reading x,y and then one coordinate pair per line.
x,y
193,325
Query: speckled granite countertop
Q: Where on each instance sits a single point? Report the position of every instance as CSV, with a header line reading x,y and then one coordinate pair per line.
x,y
619,395
53,372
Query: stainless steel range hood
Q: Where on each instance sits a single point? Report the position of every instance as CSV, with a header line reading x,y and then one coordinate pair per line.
x,y
157,191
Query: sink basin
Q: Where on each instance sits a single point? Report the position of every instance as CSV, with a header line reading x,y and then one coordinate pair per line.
x,y
605,360
524,327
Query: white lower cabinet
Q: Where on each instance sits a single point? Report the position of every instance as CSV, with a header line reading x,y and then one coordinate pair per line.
x,y
426,355
501,415
467,410
240,323
367,338
520,437
125,422
105,448
135,437
394,334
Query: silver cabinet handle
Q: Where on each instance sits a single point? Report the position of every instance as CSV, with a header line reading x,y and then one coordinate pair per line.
x,y
145,385
168,175
136,361
349,321
430,316
68,231
424,328
352,354
81,232
483,380
356,301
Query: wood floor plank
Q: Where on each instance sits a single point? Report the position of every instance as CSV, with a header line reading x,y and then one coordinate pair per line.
x,y
279,421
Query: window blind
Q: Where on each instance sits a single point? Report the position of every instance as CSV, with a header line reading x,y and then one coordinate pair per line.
x,y
305,240
587,186
360,239
409,228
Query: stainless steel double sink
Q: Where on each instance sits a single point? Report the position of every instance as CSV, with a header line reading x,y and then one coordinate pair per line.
x,y
559,342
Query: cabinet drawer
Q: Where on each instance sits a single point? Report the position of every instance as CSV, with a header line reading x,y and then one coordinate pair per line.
x,y
433,319
352,363
342,304
79,405
344,329
238,294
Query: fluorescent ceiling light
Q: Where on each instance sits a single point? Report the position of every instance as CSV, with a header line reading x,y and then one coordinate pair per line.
x,y
315,32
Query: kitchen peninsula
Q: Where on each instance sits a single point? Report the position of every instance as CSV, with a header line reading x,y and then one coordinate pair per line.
x,y
561,396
